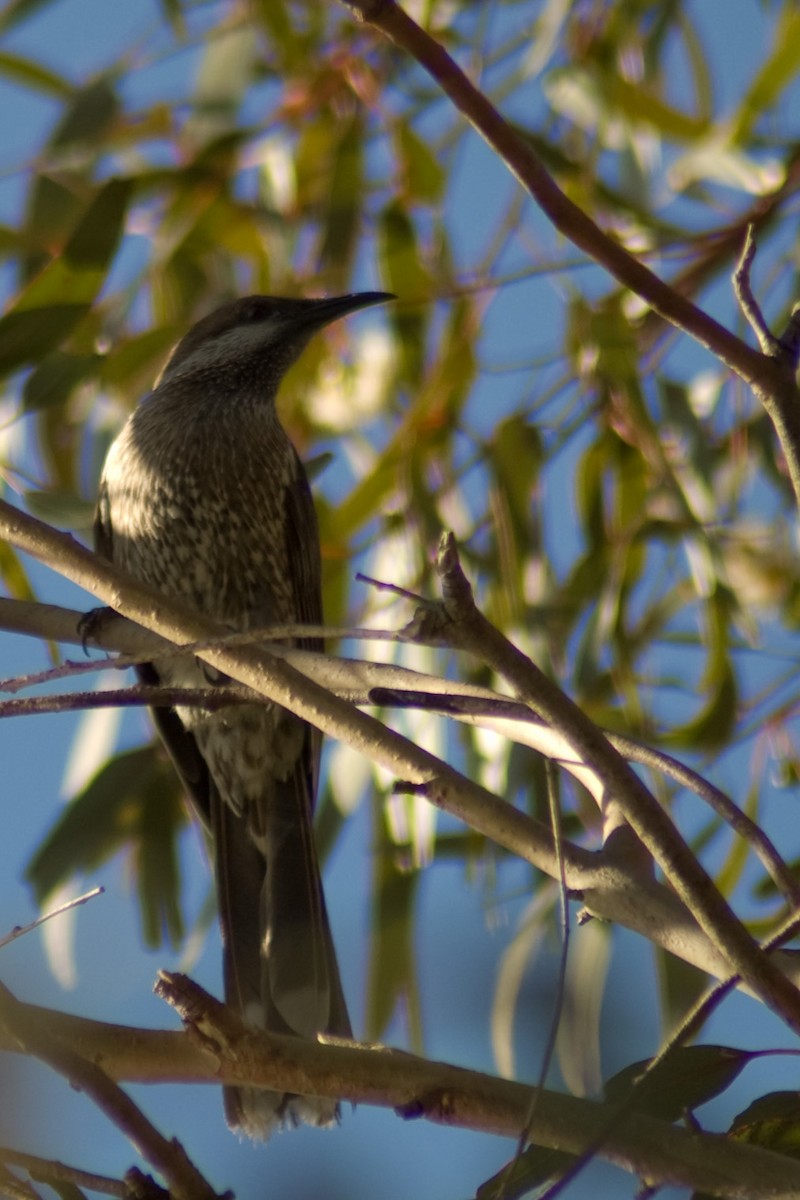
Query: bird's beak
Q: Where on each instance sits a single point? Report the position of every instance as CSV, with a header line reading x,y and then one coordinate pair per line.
x,y
324,311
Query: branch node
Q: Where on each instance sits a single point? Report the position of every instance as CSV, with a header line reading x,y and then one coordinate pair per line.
x,y
407,787
751,310
456,588
143,1187
211,1024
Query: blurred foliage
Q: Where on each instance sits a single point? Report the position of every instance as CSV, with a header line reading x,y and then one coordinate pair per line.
x,y
618,497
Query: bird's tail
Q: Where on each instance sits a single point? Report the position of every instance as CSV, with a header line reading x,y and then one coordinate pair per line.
x,y
279,962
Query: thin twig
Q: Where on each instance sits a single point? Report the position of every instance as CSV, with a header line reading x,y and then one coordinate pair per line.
x,y
45,1170
20,930
747,301
561,980
381,585
490,710
139,695
744,826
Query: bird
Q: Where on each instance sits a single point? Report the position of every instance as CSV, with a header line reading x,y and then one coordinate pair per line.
x,y
204,498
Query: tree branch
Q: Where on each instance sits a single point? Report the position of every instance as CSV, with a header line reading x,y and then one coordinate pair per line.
x,y
386,16
419,1088
167,1156
612,889
50,1171
467,629
769,373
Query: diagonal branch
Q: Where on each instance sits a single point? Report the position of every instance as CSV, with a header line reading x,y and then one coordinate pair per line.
x,y
567,217
770,374
613,889
467,629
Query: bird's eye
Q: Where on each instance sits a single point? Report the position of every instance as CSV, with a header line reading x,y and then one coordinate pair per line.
x,y
254,310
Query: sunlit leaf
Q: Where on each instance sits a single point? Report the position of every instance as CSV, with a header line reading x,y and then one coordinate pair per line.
x,y
771,1121
62,509
13,574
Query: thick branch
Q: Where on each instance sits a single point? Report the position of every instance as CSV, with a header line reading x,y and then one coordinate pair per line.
x,y
436,1092
612,890
266,673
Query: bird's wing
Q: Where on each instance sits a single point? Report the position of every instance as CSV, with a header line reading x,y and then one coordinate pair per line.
x,y
301,979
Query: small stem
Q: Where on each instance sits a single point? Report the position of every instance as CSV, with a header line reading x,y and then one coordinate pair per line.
x,y
747,301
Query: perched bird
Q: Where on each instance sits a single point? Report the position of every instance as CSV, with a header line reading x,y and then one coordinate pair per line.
x,y
204,498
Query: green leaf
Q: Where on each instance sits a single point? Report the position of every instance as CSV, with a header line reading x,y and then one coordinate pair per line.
x,y
423,176
55,377
775,73
772,1121
53,303
712,726
132,802
155,852
401,259
392,971
33,75
173,15
134,362
535,1167
403,273
97,234
223,76
61,508
680,986
13,574
88,119
689,1076
343,209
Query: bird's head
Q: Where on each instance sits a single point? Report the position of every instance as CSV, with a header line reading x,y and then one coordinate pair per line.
x,y
258,334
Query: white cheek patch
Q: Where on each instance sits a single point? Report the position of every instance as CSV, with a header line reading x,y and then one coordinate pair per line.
x,y
242,339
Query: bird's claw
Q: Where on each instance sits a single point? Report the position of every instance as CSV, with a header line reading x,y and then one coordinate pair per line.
x,y
90,624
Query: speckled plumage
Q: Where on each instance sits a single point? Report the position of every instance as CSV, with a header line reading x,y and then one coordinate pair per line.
x,y
204,498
